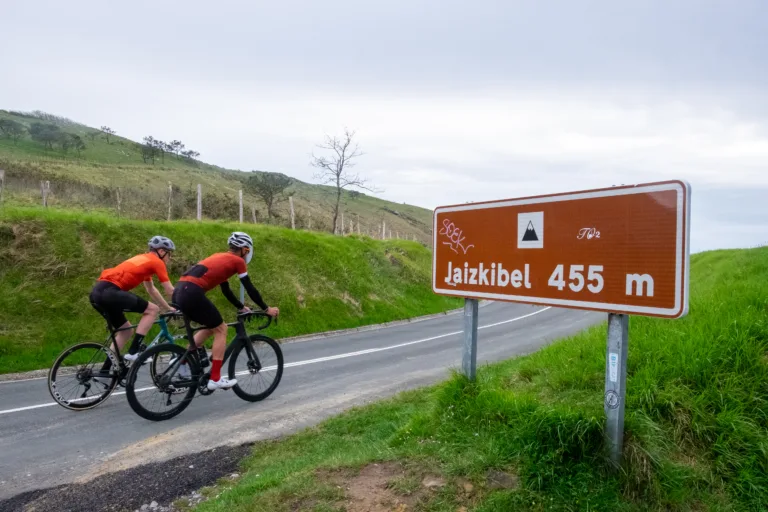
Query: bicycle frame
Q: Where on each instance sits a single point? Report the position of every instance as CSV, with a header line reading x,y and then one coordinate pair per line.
x,y
164,334
240,336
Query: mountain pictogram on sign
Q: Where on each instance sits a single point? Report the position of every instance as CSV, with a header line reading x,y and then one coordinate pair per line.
x,y
530,230
530,233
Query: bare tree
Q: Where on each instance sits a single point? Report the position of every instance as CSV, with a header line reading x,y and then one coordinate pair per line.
x,y
334,169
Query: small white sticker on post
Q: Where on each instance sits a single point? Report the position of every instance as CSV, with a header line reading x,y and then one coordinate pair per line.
x,y
613,366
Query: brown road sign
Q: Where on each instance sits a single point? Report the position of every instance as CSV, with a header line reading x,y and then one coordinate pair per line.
x,y
620,249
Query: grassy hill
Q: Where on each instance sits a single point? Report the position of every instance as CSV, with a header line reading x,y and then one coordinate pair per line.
x,y
50,259
528,434
89,180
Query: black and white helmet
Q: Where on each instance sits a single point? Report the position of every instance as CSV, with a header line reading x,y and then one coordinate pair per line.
x,y
161,242
240,239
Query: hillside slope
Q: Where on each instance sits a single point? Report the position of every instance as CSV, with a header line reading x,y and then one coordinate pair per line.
x,y
50,259
90,179
528,434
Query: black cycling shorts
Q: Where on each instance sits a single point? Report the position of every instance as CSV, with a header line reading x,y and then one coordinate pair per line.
x,y
112,302
192,301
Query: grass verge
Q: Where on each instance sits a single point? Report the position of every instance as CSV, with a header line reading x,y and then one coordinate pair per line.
x,y
50,259
528,433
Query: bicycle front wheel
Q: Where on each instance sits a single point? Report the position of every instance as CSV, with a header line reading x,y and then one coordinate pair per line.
x,y
257,365
76,380
162,389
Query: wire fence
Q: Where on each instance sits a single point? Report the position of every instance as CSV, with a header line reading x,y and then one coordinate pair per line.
x,y
191,202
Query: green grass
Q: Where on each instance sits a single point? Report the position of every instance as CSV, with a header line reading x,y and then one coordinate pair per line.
x,y
696,421
50,259
144,188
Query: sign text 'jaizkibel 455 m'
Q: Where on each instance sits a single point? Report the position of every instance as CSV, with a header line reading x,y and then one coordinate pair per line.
x,y
620,249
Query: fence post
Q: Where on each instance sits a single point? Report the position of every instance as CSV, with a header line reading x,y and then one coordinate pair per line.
x,y
383,230
309,219
2,184
119,201
199,202
45,189
293,216
170,199
342,223
358,224
240,193
253,213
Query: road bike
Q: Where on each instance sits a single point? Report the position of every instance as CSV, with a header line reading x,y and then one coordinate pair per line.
x,y
86,363
250,357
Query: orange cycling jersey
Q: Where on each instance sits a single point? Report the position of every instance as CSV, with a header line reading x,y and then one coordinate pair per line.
x,y
214,270
130,273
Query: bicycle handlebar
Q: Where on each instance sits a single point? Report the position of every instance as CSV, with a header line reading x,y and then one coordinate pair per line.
x,y
247,317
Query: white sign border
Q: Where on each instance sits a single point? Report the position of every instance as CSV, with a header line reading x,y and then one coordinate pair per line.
x,y
682,279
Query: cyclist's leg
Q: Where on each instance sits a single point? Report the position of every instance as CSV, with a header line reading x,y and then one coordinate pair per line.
x,y
127,301
148,317
102,301
219,347
201,336
199,308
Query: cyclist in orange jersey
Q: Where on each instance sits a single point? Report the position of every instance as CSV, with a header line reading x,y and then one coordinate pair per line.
x,y
111,294
204,276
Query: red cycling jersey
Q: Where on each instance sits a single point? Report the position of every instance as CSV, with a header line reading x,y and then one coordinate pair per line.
x,y
214,270
130,273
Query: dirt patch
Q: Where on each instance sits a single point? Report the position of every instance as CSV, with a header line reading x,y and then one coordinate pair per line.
x,y
380,487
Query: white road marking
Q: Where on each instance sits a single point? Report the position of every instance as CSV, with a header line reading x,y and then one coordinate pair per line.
x,y
314,361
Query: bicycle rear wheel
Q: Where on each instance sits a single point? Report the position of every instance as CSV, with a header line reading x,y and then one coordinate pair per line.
x,y
151,389
258,367
79,366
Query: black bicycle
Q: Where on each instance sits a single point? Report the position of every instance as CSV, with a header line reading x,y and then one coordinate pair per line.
x,y
80,379
177,373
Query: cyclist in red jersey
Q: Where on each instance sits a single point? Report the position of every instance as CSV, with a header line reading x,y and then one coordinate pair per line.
x,y
204,276
111,295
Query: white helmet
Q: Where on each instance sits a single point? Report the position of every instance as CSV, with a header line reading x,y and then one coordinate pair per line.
x,y
161,242
240,239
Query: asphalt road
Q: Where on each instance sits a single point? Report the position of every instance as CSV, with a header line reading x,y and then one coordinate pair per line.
x,y
44,445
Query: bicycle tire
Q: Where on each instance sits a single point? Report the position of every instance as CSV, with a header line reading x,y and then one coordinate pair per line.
x,y
130,391
53,371
233,364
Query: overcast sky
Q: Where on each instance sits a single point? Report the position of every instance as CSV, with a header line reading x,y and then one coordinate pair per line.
x,y
452,101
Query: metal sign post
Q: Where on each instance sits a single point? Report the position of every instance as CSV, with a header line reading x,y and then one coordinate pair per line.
x,y
469,359
615,383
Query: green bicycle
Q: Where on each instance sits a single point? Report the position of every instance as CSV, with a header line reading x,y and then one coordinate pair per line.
x,y
85,385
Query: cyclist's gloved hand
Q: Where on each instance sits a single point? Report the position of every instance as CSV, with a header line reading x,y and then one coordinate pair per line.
x,y
273,312
245,309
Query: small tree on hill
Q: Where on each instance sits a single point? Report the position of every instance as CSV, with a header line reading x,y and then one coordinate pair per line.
x,y
270,187
12,129
108,132
334,169
177,147
46,133
149,150
77,144
190,154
